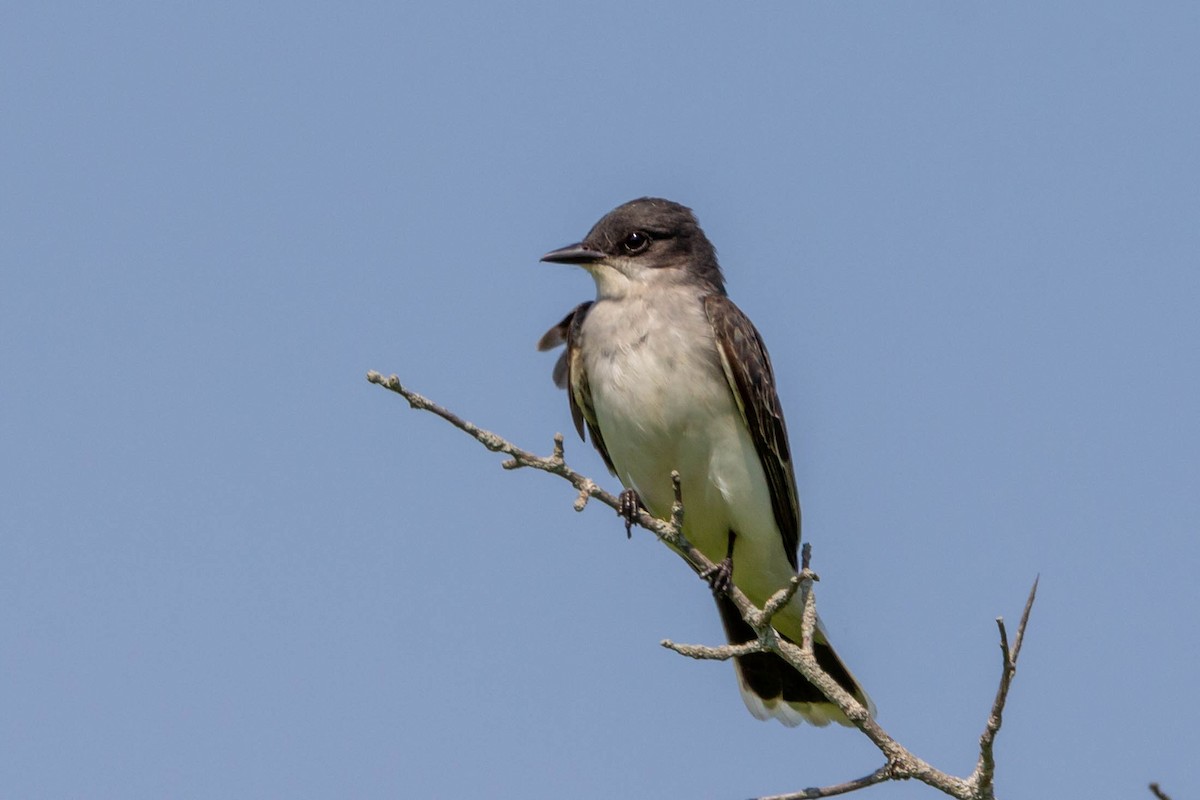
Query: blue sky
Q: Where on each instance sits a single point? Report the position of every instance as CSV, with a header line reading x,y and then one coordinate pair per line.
x,y
229,567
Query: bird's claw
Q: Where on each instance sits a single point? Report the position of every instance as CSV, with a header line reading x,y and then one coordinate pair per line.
x,y
720,576
628,505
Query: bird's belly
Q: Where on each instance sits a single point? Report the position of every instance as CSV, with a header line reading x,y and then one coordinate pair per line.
x,y
656,423
656,419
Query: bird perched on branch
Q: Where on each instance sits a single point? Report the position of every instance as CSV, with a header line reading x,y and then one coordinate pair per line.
x,y
666,373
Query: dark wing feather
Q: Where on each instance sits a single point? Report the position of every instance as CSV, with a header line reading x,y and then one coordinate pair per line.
x,y
748,370
569,374
557,337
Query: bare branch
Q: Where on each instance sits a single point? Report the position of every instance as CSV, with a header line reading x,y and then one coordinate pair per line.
x,y
901,763
677,505
880,775
1159,793
1016,653
777,601
808,613
985,768
724,652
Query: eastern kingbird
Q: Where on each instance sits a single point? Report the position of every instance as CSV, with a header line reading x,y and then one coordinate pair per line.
x,y
666,373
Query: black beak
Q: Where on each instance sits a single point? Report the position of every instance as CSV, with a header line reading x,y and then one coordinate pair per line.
x,y
573,254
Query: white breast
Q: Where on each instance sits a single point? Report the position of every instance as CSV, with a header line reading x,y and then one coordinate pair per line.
x,y
663,403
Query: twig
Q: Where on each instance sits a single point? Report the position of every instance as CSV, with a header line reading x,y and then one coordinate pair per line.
x,y
776,602
901,763
880,775
1024,621
1159,793
554,464
985,768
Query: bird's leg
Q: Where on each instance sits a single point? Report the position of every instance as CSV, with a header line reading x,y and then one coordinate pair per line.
x,y
630,504
720,575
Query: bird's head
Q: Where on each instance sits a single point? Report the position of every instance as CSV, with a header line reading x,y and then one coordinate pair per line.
x,y
644,243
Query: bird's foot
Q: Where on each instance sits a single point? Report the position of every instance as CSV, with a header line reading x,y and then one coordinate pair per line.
x,y
720,576
628,506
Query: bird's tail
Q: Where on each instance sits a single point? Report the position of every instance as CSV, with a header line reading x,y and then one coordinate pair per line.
x,y
773,688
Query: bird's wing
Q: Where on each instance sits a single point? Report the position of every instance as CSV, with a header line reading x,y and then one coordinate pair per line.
x,y
748,370
569,374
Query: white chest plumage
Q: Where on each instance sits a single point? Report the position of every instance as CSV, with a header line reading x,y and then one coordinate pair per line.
x,y
662,403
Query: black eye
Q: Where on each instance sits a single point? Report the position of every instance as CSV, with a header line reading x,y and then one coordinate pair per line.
x,y
635,242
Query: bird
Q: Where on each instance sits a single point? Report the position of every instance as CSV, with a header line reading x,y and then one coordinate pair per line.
x,y
665,373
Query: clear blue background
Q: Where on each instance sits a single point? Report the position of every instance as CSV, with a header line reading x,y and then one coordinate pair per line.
x,y
230,567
